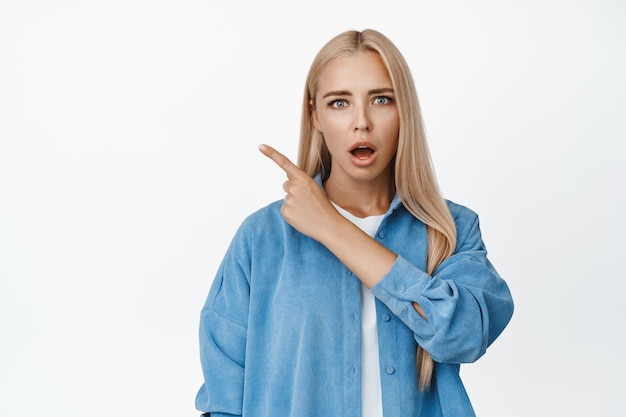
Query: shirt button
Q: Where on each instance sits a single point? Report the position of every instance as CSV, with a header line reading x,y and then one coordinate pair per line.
x,y
390,370
381,234
401,288
386,317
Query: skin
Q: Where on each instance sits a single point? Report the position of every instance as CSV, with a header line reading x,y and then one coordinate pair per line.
x,y
354,105
308,209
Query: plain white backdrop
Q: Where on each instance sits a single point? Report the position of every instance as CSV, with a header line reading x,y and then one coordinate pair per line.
x,y
128,157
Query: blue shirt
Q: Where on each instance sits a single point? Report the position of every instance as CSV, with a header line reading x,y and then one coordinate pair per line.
x,y
280,329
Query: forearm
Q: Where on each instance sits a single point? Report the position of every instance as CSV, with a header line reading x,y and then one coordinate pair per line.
x,y
364,256
466,302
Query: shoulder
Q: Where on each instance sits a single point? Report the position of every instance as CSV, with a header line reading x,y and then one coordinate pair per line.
x,y
258,228
265,219
461,214
467,223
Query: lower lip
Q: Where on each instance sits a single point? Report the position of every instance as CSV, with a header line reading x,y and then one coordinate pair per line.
x,y
363,162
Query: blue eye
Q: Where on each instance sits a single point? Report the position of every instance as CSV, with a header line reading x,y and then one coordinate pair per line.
x,y
382,100
339,103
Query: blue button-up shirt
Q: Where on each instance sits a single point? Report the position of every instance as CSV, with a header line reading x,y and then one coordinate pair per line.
x,y
280,329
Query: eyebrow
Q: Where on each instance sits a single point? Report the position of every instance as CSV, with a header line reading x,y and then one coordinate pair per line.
x,y
348,93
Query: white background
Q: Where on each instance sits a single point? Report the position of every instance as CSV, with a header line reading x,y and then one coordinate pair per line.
x,y
128,157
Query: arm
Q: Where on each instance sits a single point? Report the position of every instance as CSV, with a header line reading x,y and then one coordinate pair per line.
x,y
307,209
467,303
223,328
455,314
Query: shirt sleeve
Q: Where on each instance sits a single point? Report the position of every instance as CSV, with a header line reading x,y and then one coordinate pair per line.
x,y
223,329
466,302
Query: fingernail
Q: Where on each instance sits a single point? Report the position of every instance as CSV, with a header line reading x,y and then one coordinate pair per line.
x,y
261,147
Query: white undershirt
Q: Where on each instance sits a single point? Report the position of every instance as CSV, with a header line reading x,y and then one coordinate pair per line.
x,y
370,383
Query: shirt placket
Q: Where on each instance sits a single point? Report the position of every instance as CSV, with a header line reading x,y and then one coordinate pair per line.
x,y
352,343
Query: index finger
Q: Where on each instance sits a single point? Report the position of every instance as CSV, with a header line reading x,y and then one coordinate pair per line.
x,y
281,160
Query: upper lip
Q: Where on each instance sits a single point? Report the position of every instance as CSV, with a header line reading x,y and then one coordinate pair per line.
x,y
362,145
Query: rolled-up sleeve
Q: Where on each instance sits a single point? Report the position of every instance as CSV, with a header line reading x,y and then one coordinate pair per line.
x,y
466,303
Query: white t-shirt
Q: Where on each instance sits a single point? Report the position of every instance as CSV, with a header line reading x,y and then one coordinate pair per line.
x,y
370,382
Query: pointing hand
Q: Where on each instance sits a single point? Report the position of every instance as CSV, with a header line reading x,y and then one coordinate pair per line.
x,y
306,206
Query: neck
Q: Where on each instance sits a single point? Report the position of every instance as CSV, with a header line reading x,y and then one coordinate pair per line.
x,y
362,199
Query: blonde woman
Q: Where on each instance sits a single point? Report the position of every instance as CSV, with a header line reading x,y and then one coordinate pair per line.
x,y
362,292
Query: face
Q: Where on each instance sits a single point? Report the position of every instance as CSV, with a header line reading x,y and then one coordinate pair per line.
x,y
355,110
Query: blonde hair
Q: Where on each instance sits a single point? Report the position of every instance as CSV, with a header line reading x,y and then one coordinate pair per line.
x,y
415,179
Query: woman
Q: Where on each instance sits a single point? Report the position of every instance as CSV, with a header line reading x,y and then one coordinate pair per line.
x,y
364,290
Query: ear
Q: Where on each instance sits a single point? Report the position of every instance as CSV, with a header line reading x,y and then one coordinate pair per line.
x,y
316,122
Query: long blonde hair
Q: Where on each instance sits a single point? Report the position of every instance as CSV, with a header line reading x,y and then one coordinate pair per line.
x,y
415,179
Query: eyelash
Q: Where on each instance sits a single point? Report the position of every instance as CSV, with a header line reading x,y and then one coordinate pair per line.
x,y
388,99
334,103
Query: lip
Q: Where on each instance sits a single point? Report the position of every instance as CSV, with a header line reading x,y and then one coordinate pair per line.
x,y
363,162
362,143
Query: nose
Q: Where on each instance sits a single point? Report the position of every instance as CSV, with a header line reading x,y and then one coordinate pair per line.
x,y
362,120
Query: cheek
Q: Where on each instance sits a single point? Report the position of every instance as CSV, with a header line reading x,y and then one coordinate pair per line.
x,y
393,125
333,121
323,123
325,129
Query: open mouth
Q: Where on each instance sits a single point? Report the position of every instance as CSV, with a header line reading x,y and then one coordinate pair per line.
x,y
362,152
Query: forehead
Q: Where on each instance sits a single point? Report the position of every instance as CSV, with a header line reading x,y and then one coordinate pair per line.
x,y
361,70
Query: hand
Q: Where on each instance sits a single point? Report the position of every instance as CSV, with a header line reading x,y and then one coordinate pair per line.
x,y
308,210
306,207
